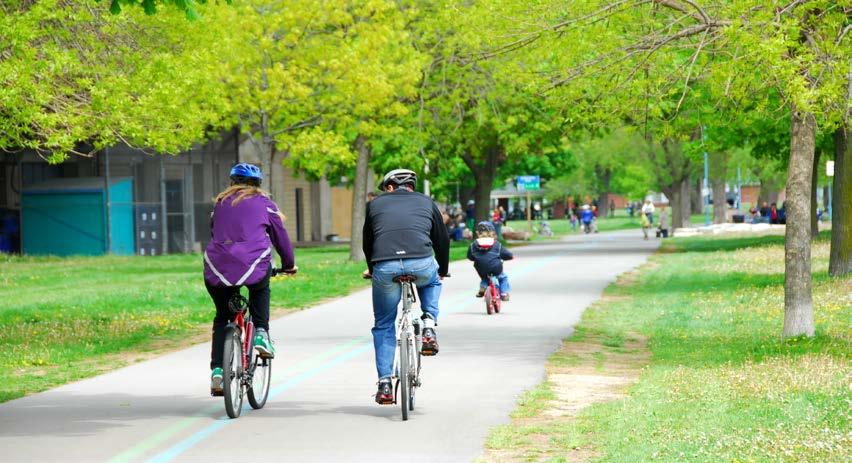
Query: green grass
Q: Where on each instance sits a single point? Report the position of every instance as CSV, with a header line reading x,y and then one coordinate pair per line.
x,y
721,386
64,319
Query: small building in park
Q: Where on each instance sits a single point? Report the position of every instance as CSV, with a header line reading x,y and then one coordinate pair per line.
x,y
69,216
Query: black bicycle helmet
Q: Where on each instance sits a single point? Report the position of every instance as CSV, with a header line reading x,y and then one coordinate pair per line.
x,y
399,177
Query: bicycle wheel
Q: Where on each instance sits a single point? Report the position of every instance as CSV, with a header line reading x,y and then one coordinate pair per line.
x,y
259,390
232,356
495,297
414,374
404,376
488,303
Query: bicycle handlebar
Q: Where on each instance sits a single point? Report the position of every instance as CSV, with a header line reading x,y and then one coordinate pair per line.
x,y
281,271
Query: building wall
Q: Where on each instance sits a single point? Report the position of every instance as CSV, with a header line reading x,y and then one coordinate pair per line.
x,y
341,212
750,193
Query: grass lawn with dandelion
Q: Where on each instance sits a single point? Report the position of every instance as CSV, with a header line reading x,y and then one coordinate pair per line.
x,y
717,382
68,318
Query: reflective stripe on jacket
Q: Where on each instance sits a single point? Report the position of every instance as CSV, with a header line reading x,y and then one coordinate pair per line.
x,y
243,237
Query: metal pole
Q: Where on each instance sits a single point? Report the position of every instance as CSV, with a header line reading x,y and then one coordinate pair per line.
x,y
739,189
164,234
426,187
706,191
529,210
830,186
190,202
108,228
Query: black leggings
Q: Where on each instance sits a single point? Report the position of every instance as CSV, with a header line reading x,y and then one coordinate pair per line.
x,y
258,308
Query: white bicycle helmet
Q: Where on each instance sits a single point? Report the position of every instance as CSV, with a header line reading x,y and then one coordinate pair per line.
x,y
399,177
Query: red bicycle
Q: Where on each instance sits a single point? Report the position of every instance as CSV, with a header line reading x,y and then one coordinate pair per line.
x,y
492,295
245,372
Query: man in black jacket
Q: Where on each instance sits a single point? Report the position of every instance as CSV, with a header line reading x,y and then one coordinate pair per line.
x,y
402,231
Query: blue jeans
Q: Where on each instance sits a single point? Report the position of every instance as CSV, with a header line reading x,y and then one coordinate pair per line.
x,y
386,296
502,279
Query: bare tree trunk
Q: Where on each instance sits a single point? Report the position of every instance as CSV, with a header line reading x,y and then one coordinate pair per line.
x,y
798,302
840,260
675,201
718,171
695,197
266,149
762,196
484,174
465,195
605,177
685,206
359,199
814,204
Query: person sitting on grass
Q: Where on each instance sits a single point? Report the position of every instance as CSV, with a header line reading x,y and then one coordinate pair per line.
x,y
488,255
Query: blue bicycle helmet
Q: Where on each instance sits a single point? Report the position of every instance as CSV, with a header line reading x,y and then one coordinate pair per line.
x,y
244,171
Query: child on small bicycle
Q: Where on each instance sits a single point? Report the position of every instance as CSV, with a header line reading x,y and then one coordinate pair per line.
x,y
245,226
488,255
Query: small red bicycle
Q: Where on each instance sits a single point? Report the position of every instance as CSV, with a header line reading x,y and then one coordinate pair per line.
x,y
245,372
492,295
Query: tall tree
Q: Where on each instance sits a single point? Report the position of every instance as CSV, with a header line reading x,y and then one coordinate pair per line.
x,y
840,259
73,74
801,49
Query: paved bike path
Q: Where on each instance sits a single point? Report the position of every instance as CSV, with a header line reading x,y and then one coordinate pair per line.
x,y
320,407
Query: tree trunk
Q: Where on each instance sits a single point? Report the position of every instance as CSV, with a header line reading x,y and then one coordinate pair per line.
x,y
674,195
484,175
359,199
840,260
605,177
465,195
798,303
814,186
718,171
685,206
266,149
695,198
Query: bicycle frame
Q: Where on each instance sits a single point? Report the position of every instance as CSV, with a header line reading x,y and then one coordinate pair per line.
x,y
242,321
492,298
407,328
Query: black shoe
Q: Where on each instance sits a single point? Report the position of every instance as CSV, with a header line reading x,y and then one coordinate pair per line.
x,y
430,342
384,396
481,292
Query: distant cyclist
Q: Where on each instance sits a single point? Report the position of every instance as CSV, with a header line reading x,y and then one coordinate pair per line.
x,y
587,217
402,230
488,255
245,225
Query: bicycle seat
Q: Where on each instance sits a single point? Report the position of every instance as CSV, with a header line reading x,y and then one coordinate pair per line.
x,y
404,278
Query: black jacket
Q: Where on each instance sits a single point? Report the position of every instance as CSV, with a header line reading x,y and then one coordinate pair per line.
x,y
488,261
405,225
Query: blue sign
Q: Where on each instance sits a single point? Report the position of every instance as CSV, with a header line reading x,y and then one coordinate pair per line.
x,y
528,182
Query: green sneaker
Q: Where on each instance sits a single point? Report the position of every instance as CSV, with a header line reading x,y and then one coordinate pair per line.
x,y
216,381
263,345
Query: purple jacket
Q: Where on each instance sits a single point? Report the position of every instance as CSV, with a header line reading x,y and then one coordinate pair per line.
x,y
242,239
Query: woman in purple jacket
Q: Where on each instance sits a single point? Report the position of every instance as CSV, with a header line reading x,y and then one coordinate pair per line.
x,y
245,225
